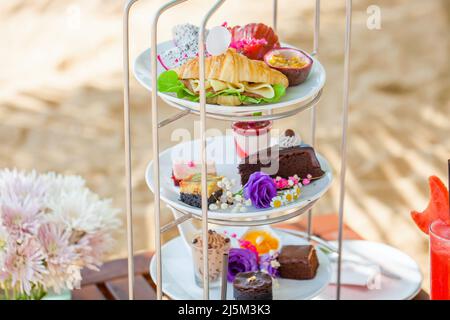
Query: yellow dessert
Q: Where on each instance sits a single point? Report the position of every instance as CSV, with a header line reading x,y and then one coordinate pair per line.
x,y
280,61
263,240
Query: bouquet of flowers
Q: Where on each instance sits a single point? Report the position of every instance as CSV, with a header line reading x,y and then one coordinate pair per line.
x,y
51,227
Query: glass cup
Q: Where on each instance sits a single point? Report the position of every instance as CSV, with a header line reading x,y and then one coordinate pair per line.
x,y
250,137
215,263
440,260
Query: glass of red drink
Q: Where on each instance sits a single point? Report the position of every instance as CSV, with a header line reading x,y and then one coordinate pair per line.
x,y
440,260
250,137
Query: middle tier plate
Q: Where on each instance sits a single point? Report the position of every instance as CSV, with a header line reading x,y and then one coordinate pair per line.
x,y
296,95
221,149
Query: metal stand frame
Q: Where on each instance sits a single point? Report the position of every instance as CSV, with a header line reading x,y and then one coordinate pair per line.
x,y
203,115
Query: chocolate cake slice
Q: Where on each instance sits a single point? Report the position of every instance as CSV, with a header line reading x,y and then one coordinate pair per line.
x,y
298,262
283,162
288,158
252,286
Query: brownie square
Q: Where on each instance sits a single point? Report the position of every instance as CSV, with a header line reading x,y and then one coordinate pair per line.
x,y
298,262
252,286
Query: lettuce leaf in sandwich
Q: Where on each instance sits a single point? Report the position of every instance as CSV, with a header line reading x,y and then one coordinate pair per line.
x,y
168,82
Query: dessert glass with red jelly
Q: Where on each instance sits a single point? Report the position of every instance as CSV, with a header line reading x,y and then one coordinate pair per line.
x,y
440,260
250,137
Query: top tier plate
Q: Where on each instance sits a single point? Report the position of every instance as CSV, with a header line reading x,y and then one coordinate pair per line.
x,y
300,94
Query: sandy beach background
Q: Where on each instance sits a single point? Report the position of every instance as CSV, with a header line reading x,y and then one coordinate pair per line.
x,y
61,101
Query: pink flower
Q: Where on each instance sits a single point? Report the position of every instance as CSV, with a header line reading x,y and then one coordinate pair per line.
x,y
51,226
245,244
24,264
20,219
92,247
281,183
63,262
55,243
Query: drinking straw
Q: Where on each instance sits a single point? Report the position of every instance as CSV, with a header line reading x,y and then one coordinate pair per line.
x,y
448,171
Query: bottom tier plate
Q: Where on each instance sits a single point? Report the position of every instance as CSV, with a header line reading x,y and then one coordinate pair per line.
x,y
178,274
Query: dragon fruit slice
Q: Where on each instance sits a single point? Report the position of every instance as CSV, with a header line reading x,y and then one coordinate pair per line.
x,y
171,58
177,56
185,34
185,38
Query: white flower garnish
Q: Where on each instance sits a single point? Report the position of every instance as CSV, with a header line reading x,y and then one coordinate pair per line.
x,y
213,206
274,264
288,196
276,202
296,192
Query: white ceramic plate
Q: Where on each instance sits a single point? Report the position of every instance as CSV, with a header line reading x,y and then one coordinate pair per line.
x,y
294,95
221,149
181,285
391,259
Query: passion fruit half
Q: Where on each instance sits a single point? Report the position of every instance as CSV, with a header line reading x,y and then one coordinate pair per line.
x,y
293,63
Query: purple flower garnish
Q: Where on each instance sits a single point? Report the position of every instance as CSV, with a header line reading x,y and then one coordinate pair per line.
x,y
241,260
260,188
269,263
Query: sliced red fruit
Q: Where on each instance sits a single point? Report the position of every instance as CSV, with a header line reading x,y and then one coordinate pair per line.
x,y
254,40
437,207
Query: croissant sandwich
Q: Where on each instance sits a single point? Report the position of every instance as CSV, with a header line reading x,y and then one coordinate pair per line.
x,y
231,79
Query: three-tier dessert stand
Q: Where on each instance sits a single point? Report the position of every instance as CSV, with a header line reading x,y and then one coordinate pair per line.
x,y
204,114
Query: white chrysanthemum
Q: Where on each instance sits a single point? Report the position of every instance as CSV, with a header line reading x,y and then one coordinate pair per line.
x,y
82,210
20,187
59,184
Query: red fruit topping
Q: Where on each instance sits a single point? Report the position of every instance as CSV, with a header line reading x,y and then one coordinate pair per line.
x,y
252,125
437,208
176,181
254,40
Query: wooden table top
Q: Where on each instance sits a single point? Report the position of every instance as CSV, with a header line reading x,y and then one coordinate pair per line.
x,y
111,281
